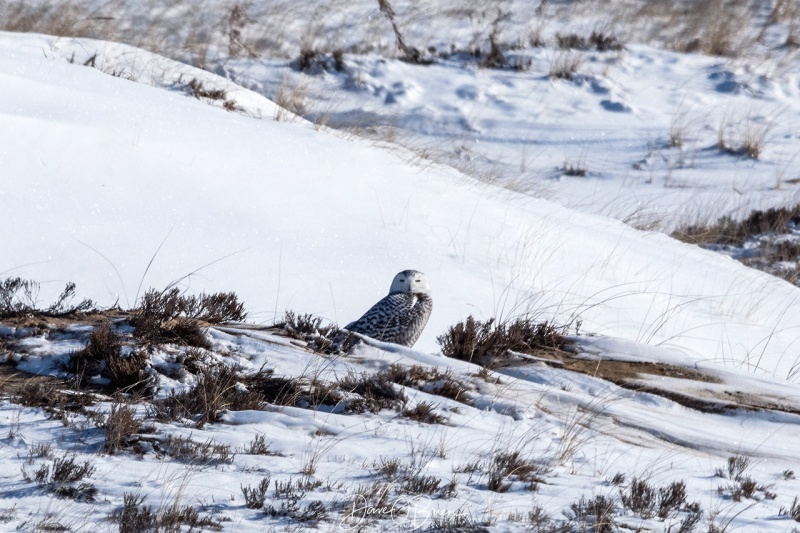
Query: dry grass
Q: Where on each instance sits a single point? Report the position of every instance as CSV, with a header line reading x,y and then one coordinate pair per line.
x,y
254,497
290,99
232,29
768,235
121,425
103,356
575,168
727,231
599,41
186,450
323,339
423,412
753,137
375,392
746,136
64,478
596,514
50,396
714,27
565,65
216,391
171,317
134,517
490,344
678,127
20,298
429,380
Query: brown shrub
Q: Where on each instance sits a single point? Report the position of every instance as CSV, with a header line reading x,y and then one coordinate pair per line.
x,y
727,231
120,426
216,391
19,298
103,355
430,380
137,518
376,392
54,400
423,412
169,316
488,344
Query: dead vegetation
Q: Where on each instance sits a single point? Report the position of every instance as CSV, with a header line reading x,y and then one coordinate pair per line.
x,y
770,238
51,395
253,30
103,356
430,380
374,392
63,477
597,40
565,65
216,390
727,231
491,344
596,514
171,317
647,501
408,53
254,497
134,517
507,466
19,298
323,339
423,412
121,426
187,450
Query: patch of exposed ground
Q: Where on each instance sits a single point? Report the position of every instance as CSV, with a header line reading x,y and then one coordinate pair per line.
x,y
55,323
642,376
12,381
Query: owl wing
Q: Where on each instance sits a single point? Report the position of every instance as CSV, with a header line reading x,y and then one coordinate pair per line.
x,y
397,318
381,317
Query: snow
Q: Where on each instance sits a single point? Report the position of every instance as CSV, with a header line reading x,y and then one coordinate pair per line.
x,y
120,185
294,218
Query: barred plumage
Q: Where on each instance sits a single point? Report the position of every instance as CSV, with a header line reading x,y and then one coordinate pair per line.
x,y
401,316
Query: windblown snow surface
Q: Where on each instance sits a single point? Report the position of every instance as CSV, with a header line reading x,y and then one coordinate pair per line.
x,y
120,186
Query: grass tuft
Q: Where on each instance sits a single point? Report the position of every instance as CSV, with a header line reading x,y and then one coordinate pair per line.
x,y
171,317
565,65
20,298
120,426
375,393
216,391
424,412
134,517
254,497
489,344
103,356
596,514
64,478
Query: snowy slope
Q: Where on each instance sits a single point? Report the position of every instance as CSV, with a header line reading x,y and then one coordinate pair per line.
x,y
294,218
579,432
620,120
100,175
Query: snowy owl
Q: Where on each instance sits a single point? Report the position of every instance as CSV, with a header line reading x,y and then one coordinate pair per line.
x,y
401,316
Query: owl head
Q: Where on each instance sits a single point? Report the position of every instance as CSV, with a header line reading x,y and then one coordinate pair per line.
x,y
410,281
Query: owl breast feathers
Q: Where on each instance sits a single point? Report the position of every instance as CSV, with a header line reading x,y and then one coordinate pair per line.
x,y
401,316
